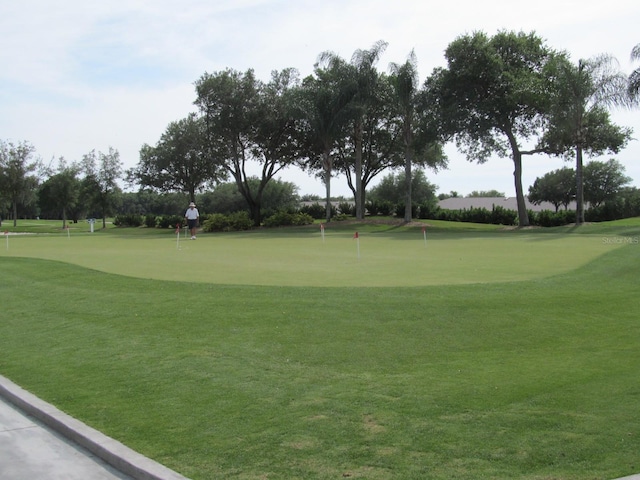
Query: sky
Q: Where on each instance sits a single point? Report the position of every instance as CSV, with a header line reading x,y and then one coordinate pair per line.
x,y
82,75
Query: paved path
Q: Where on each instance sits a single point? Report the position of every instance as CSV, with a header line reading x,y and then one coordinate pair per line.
x,y
29,451
38,442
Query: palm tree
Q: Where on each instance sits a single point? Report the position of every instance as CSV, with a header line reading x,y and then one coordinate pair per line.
x,y
363,76
367,76
324,108
405,82
579,120
634,78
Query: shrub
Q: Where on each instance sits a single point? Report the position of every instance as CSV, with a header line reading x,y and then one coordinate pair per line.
x,y
219,222
428,209
169,221
281,219
372,208
315,210
150,220
129,220
399,210
240,221
385,208
347,208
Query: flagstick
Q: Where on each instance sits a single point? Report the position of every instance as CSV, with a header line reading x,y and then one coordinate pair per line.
x,y
322,231
178,238
424,232
6,234
357,237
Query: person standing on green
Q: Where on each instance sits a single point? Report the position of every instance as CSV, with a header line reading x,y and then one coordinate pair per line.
x,y
192,217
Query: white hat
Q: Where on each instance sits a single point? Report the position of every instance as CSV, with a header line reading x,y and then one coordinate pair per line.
x,y
192,204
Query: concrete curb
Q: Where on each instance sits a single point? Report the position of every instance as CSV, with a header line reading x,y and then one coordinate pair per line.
x,y
114,453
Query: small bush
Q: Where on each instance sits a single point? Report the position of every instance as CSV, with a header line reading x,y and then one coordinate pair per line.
x,y
316,210
236,221
169,221
281,219
372,208
129,220
347,208
217,222
399,210
150,221
240,221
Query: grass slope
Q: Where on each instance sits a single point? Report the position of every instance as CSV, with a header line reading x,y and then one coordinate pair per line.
x,y
531,379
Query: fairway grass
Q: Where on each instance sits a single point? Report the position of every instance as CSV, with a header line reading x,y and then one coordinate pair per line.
x,y
475,377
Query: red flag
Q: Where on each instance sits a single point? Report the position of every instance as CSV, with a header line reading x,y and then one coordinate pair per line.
x,y
178,228
356,235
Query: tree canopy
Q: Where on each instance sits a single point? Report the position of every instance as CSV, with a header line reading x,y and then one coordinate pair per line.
x,y
493,97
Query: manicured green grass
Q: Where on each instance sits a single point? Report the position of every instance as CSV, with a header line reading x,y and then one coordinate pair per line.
x,y
384,255
530,377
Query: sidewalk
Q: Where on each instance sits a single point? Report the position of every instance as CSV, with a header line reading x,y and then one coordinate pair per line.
x,y
38,441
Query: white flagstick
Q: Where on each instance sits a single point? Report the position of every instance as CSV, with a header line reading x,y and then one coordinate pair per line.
x,y
6,234
322,231
178,237
424,233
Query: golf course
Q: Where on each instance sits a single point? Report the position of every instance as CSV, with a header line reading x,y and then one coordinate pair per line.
x,y
433,350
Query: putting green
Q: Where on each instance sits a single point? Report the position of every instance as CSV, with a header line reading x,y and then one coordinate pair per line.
x,y
304,259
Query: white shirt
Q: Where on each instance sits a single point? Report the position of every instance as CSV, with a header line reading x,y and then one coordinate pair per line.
x,y
192,213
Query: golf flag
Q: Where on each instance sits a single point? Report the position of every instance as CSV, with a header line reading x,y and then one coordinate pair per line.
x,y
177,236
424,234
357,237
322,231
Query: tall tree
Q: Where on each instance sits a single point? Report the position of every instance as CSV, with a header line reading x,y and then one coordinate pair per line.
x,y
60,192
179,162
634,78
404,79
557,187
249,123
366,79
324,100
603,181
580,123
18,178
493,97
102,172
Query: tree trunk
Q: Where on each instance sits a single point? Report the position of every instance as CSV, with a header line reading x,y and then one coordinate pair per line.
x,y
15,214
358,171
523,216
579,188
327,183
407,178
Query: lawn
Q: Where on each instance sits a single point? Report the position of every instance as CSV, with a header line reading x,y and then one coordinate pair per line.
x,y
483,353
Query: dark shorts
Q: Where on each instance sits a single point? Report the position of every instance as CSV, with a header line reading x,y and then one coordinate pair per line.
x,y
192,223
